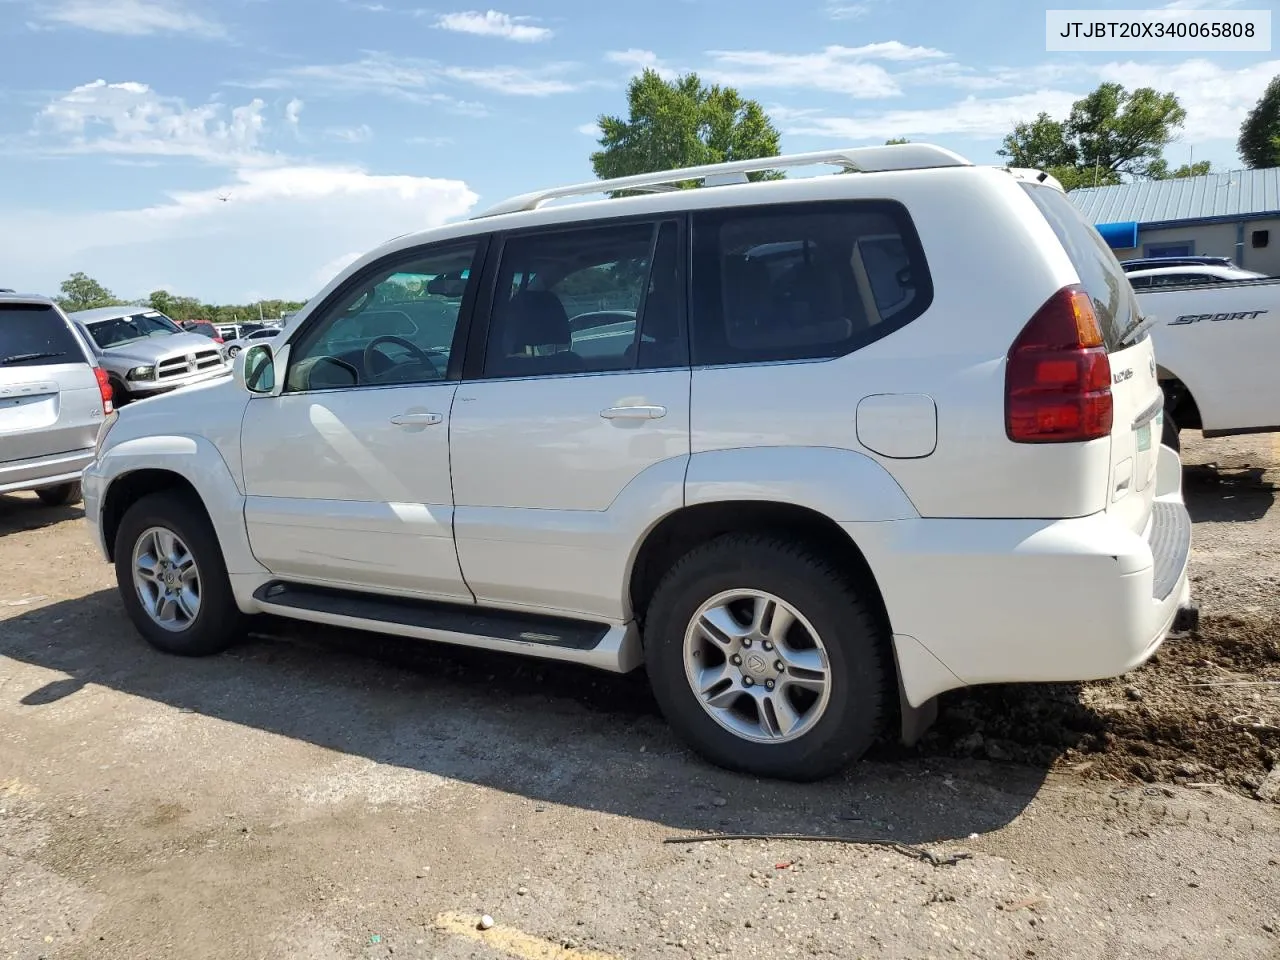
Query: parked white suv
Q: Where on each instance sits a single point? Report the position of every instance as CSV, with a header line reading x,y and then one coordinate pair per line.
x,y
809,484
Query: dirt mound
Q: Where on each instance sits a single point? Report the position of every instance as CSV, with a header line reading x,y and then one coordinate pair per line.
x,y
1206,709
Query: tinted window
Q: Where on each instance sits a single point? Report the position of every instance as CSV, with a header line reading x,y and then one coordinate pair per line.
x,y
140,326
803,281
585,300
1099,270
32,335
396,326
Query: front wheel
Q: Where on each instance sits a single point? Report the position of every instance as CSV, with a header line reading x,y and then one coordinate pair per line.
x,y
172,578
232,351
767,659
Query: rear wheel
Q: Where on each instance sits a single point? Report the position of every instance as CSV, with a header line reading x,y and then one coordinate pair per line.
x,y
1172,435
172,578
119,393
61,495
767,659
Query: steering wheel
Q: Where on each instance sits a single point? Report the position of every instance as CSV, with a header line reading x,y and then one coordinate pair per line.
x,y
414,350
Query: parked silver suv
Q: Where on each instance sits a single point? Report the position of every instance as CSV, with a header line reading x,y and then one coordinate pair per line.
x,y
53,399
145,353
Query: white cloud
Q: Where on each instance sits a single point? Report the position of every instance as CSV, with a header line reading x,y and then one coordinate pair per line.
x,y
1201,4
491,23
419,81
970,117
639,60
130,118
350,134
293,112
285,230
836,69
129,17
844,10
591,129
516,81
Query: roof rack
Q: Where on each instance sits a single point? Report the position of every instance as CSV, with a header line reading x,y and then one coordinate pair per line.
x,y
903,156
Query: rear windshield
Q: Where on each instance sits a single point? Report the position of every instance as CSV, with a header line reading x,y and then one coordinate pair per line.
x,y
1100,272
31,334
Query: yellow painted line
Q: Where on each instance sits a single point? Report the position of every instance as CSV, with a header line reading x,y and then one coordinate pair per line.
x,y
513,942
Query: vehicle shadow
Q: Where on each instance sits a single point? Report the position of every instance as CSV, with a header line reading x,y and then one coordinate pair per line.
x,y
550,732
1222,494
24,511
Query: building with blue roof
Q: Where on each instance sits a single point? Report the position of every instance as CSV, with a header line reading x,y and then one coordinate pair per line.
x,y
1234,214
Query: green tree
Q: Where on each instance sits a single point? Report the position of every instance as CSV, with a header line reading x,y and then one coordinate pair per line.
x,y
1109,134
682,123
1161,171
1259,142
161,300
895,141
82,292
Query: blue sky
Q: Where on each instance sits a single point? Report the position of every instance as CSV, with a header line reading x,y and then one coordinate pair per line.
x,y
331,125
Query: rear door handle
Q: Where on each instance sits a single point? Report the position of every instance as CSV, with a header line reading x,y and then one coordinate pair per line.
x,y
646,412
417,419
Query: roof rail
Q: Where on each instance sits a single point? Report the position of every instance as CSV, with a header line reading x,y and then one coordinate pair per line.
x,y
903,156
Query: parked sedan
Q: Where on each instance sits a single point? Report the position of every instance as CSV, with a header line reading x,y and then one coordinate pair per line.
x,y
145,353
263,333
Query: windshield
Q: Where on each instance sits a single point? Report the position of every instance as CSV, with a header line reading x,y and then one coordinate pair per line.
x,y
140,326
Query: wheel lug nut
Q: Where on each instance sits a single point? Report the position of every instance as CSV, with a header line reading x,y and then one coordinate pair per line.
x,y
747,682
746,642
779,666
767,645
769,684
736,660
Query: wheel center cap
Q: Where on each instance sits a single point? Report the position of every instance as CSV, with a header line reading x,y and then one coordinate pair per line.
x,y
170,577
756,664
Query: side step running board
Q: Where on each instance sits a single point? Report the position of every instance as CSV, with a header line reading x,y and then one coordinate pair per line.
x,y
607,647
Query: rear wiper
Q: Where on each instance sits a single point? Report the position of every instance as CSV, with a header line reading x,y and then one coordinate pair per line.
x,y
1139,326
20,357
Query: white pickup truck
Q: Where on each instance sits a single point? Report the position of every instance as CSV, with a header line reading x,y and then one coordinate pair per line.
x,y
1218,345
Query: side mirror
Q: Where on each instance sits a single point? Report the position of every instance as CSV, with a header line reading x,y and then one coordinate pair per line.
x,y
255,369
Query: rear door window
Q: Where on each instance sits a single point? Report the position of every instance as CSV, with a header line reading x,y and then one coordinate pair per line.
x,y
803,281
1100,272
31,334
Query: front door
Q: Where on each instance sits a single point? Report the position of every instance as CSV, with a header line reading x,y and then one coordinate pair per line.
x,y
575,426
347,470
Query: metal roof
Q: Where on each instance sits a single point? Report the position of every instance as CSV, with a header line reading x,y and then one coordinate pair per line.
x,y
1239,193
110,313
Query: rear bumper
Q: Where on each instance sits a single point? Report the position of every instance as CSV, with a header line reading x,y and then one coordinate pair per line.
x,y
43,471
1025,601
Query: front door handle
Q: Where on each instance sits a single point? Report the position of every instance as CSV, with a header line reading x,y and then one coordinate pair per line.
x,y
641,412
417,419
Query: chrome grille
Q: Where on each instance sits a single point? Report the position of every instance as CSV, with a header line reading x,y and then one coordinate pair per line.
x,y
184,365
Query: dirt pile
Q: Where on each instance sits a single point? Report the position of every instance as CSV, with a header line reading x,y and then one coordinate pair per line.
x,y
1205,710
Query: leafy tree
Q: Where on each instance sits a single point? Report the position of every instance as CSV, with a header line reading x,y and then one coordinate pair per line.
x,y
1259,142
895,141
160,300
682,123
1108,134
1161,171
82,292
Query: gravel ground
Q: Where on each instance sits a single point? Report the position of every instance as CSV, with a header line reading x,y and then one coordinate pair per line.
x,y
327,794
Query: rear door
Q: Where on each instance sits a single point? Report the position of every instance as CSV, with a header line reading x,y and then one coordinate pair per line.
x,y
49,397
1138,399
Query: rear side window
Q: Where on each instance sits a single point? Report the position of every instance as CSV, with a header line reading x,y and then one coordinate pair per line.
x,y
803,281
32,334
1100,272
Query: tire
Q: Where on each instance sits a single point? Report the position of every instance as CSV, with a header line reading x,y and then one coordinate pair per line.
x,y
119,394
859,680
1172,436
60,496
218,622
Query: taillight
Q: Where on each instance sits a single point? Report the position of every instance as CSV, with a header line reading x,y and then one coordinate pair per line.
x,y
217,340
104,388
1058,377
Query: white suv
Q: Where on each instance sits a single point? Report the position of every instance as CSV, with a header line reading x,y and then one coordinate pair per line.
x,y
812,450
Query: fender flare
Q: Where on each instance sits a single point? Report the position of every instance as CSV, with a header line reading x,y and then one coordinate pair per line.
x,y
197,461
